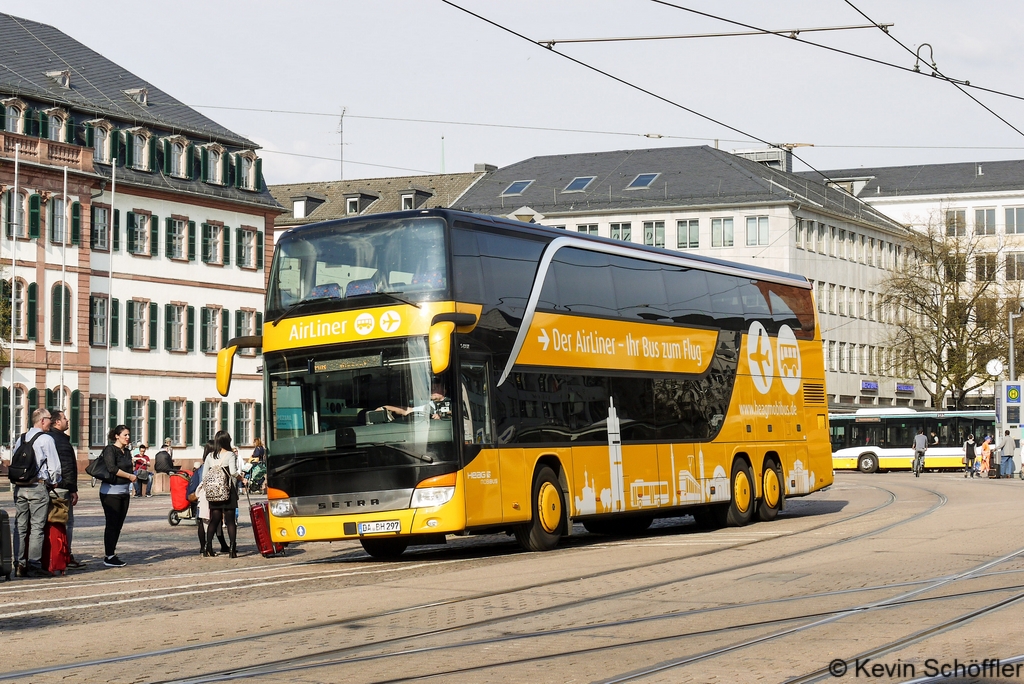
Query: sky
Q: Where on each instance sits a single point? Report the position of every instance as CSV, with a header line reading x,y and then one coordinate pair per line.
x,y
383,60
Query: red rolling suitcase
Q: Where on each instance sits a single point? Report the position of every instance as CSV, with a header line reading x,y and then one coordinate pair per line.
x,y
55,548
6,546
259,516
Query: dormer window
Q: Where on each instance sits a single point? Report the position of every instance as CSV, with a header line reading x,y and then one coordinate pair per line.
x,y
304,205
57,125
139,96
61,78
214,170
358,202
414,198
248,170
98,137
13,118
407,202
516,188
352,206
642,181
140,149
579,184
177,157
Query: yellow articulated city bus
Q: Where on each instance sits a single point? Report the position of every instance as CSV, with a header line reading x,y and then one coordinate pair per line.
x,y
438,372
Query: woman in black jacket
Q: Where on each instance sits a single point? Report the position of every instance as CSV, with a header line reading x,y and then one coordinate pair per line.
x,y
115,492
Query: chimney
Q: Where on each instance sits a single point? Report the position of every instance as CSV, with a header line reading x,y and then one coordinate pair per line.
x,y
484,168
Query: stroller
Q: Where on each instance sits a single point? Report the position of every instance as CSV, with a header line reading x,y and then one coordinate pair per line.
x,y
181,507
257,478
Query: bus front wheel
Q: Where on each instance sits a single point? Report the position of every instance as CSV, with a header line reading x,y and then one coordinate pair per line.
x,y
772,492
743,503
867,463
545,527
384,548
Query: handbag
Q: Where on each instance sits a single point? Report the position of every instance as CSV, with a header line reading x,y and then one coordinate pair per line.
x,y
142,475
97,468
217,484
59,511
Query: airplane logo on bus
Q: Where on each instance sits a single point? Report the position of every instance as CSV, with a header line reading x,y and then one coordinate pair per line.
x,y
390,320
760,358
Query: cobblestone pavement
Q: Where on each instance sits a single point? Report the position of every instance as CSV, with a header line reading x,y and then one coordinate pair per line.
x,y
907,574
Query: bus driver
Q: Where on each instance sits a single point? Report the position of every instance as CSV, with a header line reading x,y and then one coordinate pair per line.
x,y
439,405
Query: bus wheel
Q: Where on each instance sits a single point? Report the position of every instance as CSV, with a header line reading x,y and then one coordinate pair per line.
x,y
771,486
741,508
545,527
867,463
384,548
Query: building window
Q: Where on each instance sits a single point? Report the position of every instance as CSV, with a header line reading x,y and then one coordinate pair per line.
x,y
174,421
1015,220
58,221
245,323
587,229
14,214
100,231
55,128
243,423
757,231
642,181
60,314
956,222
799,233
135,419
408,202
15,122
140,149
209,420
1015,266
245,164
985,267
138,233
688,234
516,188
141,325
654,233
622,231
822,297
100,144
98,321
177,239
721,232
19,314
832,355
352,206
984,221
97,421
212,250
579,184
211,326
175,327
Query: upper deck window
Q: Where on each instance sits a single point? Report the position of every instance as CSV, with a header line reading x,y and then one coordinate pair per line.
x,y
516,188
642,181
579,184
401,258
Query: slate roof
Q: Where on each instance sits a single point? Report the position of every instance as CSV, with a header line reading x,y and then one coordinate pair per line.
x,y
689,176
444,189
933,179
29,49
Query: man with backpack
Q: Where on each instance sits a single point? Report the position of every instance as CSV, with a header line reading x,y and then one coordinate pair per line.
x,y
34,469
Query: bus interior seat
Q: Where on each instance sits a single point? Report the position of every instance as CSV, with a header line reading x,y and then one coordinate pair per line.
x,y
358,287
428,280
325,291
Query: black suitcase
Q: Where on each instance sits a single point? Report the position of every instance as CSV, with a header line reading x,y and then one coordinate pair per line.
x,y
6,546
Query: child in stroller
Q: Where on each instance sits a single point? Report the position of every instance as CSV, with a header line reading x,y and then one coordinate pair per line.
x,y
257,478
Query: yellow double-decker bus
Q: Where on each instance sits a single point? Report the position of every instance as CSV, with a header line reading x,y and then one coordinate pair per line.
x,y
438,372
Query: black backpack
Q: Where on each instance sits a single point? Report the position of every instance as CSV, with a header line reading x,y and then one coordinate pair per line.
x,y
24,467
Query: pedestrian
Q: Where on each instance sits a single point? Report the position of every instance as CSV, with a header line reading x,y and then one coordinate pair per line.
x,y
258,451
920,447
115,492
164,460
986,456
142,474
32,495
970,453
1006,449
68,488
203,506
220,474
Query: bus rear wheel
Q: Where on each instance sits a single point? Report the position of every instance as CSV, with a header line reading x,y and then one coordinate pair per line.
x,y
772,492
867,463
384,548
743,503
545,527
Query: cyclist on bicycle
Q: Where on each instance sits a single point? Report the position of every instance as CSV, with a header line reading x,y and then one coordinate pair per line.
x,y
920,446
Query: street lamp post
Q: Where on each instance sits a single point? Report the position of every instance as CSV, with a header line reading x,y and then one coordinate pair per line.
x,y
1020,312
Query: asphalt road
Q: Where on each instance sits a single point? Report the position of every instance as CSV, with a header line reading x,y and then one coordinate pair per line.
x,y
910,575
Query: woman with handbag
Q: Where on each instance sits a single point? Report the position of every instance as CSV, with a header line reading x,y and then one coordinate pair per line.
x,y
115,492
220,473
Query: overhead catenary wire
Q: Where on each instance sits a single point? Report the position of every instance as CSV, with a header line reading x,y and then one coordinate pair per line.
x,y
791,33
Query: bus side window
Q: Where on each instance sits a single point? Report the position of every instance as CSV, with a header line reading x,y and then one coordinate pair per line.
x,y
475,403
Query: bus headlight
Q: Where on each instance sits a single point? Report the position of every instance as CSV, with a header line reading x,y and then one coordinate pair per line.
x,y
281,508
427,497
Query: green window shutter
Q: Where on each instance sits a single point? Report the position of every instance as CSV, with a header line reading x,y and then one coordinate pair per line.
x,y
238,419
259,250
204,165
190,329
207,240
226,234
168,237
152,325
129,149
89,139
70,135
129,225
5,407
3,127
151,436
33,216
204,327
33,401
113,413
224,416
236,166
50,398
191,240
152,155
92,327
127,412
114,309
189,423
167,419
189,161
44,125
129,324
167,157
76,415
258,185
154,236
51,223
56,306
238,245
225,334
168,332
115,228
76,223
258,428
30,313
112,145
238,324
259,323
9,212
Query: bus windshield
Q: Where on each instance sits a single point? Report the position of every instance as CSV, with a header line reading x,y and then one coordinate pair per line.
x,y
403,258
379,402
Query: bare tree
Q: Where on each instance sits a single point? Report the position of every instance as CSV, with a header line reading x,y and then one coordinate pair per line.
x,y
948,304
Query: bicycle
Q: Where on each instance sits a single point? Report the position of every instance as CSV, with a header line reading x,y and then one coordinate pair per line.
x,y
918,463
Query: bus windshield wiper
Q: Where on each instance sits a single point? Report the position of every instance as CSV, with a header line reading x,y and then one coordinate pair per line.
x,y
391,445
299,304
389,295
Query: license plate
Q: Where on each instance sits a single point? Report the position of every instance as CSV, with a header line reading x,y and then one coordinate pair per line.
x,y
380,526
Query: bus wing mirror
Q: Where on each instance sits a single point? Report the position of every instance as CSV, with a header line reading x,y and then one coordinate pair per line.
x,y
440,337
225,360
